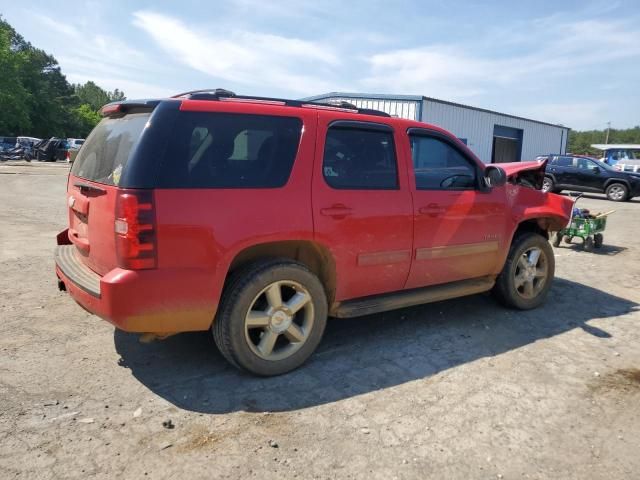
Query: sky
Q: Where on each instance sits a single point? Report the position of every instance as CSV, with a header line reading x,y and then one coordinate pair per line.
x,y
575,63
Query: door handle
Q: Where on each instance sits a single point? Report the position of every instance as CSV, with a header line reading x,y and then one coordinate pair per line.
x,y
432,209
336,211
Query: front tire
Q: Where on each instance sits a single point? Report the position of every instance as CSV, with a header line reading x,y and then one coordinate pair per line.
x,y
272,317
527,274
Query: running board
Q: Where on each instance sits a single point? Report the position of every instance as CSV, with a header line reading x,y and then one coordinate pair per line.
x,y
409,298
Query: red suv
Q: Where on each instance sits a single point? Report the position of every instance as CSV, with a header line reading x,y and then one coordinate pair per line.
x,y
257,218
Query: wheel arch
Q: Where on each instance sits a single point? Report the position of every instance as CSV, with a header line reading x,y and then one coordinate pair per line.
x,y
538,225
623,181
313,255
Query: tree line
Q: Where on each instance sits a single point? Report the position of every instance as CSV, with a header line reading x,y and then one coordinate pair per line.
x,y
580,142
36,100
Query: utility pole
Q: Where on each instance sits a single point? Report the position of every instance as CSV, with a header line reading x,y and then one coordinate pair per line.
x,y
608,127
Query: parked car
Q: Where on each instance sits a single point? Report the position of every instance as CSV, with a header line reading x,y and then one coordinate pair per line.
x,y
75,143
52,150
257,218
583,174
8,143
74,147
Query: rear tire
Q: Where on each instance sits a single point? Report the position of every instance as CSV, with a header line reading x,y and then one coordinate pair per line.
x,y
617,192
271,318
598,239
547,184
527,274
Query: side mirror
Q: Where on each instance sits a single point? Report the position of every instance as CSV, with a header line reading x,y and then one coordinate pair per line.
x,y
596,169
494,176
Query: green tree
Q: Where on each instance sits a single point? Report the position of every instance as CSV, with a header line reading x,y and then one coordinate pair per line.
x,y
35,97
14,97
116,96
580,142
91,94
86,118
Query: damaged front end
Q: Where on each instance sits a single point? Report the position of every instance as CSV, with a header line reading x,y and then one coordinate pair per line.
x,y
527,200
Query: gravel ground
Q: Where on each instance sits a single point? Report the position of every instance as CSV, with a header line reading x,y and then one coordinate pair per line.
x,y
458,389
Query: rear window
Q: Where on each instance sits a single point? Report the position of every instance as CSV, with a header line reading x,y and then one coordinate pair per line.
x,y
107,150
223,150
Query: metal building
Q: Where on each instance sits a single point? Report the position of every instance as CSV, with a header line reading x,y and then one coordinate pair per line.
x,y
494,137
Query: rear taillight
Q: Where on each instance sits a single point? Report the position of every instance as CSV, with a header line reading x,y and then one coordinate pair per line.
x,y
135,229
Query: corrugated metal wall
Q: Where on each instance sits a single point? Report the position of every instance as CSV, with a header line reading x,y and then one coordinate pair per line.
x,y
400,108
477,127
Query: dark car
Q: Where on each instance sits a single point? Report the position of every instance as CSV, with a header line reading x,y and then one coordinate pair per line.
x,y
52,150
583,174
7,143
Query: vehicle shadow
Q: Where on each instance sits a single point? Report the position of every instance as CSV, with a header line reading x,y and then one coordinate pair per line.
x,y
606,250
362,355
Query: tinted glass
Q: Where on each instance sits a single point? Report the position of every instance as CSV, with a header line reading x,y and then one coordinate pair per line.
x,y
108,148
563,161
360,159
222,150
585,163
438,165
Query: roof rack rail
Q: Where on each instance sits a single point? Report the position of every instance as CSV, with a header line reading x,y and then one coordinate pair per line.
x,y
220,94
217,92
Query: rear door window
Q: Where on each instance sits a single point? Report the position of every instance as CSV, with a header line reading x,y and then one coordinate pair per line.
x,y
360,159
222,150
107,150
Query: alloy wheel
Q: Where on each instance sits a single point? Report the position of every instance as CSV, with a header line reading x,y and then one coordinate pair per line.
x,y
531,273
279,320
616,192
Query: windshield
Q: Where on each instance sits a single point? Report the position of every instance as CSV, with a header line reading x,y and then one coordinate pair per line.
x,y
106,152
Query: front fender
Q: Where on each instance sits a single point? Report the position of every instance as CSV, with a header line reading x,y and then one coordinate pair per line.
x,y
551,211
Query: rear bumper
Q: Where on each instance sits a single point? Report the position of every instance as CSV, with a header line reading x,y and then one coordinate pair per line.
x,y
156,301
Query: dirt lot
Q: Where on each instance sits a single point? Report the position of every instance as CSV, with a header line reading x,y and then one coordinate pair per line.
x,y
459,389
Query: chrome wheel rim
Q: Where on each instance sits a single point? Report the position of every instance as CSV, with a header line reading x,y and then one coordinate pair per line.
x,y
531,273
616,192
546,185
279,320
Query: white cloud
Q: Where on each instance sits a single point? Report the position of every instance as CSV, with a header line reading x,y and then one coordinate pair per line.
x,y
551,48
242,56
577,115
55,25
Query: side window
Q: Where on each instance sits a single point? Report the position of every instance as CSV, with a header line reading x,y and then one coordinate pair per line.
x,y
586,164
356,159
438,165
564,161
220,150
